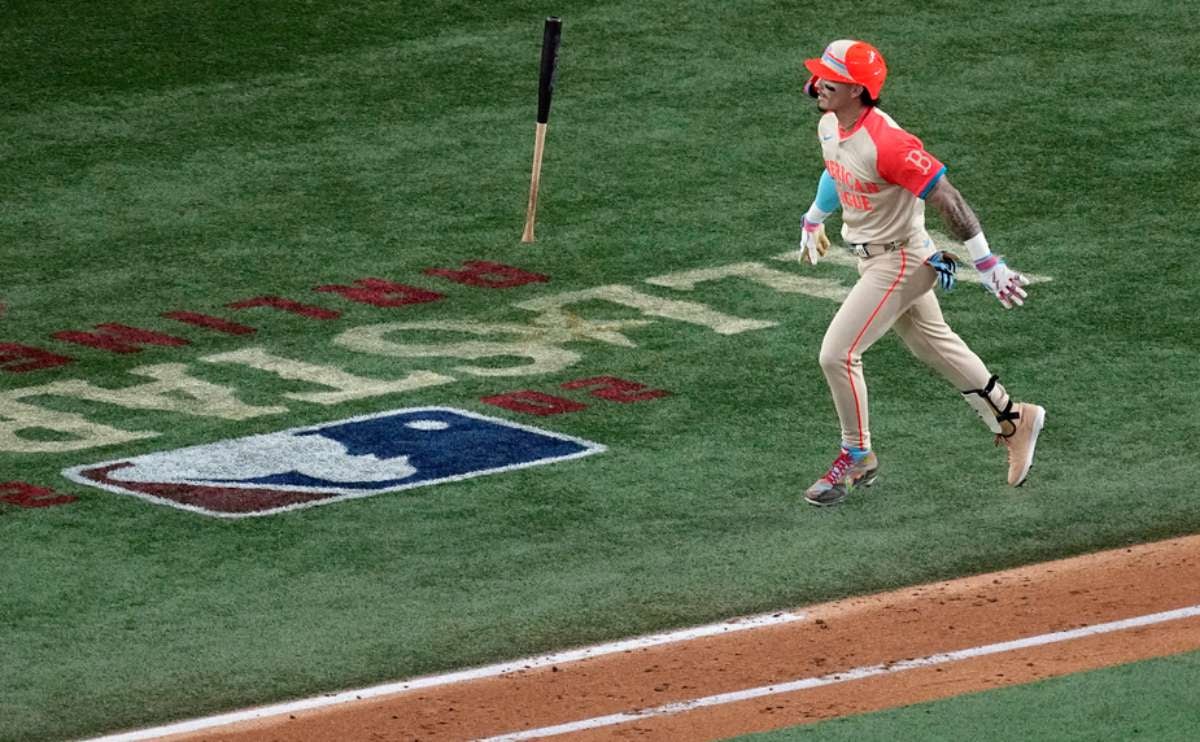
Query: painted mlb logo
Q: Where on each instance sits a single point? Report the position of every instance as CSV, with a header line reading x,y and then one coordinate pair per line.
x,y
345,459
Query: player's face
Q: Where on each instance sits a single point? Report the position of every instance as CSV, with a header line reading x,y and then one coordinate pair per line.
x,y
835,96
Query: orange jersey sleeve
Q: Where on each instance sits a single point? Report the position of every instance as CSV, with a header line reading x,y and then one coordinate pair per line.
x,y
903,160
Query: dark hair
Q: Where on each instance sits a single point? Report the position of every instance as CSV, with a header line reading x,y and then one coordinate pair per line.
x,y
810,87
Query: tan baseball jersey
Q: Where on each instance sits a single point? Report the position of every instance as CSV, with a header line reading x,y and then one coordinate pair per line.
x,y
882,174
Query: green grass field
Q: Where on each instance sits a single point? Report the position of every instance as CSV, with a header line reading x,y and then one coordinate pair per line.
x,y
166,157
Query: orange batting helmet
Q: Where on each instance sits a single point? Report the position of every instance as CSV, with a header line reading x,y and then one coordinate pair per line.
x,y
855,62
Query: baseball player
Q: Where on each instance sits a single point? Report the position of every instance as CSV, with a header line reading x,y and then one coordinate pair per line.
x,y
882,177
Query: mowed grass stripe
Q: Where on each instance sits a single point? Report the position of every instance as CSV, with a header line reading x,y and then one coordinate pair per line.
x,y
269,149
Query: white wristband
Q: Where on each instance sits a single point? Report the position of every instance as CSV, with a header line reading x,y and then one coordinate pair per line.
x,y
977,247
815,215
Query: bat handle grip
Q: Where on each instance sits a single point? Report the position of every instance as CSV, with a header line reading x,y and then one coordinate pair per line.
x,y
539,144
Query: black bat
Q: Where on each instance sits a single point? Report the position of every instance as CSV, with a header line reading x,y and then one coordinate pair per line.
x,y
551,36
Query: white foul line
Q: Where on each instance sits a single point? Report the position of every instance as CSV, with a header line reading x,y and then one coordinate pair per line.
x,y
857,673
504,668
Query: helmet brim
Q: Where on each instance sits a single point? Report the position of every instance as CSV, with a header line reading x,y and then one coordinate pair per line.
x,y
825,72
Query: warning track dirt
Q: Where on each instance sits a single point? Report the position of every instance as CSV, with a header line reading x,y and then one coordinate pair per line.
x,y
835,659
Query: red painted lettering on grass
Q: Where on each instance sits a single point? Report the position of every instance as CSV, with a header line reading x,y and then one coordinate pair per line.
x,y
210,323
18,359
616,390
381,293
534,403
286,305
118,338
488,275
25,495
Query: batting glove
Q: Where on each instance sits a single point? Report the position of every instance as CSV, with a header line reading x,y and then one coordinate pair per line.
x,y
813,242
946,265
1002,282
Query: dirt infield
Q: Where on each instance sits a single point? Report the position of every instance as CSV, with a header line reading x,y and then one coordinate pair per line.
x,y
846,657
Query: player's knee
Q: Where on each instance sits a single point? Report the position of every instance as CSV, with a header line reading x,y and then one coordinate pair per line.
x,y
832,359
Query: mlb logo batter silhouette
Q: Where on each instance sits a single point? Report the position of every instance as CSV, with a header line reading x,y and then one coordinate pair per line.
x,y
344,459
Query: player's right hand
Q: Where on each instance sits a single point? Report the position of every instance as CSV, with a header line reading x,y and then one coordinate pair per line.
x,y
813,242
1005,284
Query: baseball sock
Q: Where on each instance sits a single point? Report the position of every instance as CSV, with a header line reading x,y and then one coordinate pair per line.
x,y
858,454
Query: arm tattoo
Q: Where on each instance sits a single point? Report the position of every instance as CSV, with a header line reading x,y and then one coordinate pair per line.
x,y
958,216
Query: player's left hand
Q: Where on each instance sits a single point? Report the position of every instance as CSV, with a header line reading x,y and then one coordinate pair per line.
x,y
813,242
1005,284
946,265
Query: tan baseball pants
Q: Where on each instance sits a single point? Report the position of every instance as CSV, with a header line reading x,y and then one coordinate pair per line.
x,y
894,291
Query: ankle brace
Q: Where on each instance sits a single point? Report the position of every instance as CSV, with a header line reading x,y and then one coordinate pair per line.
x,y
993,417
